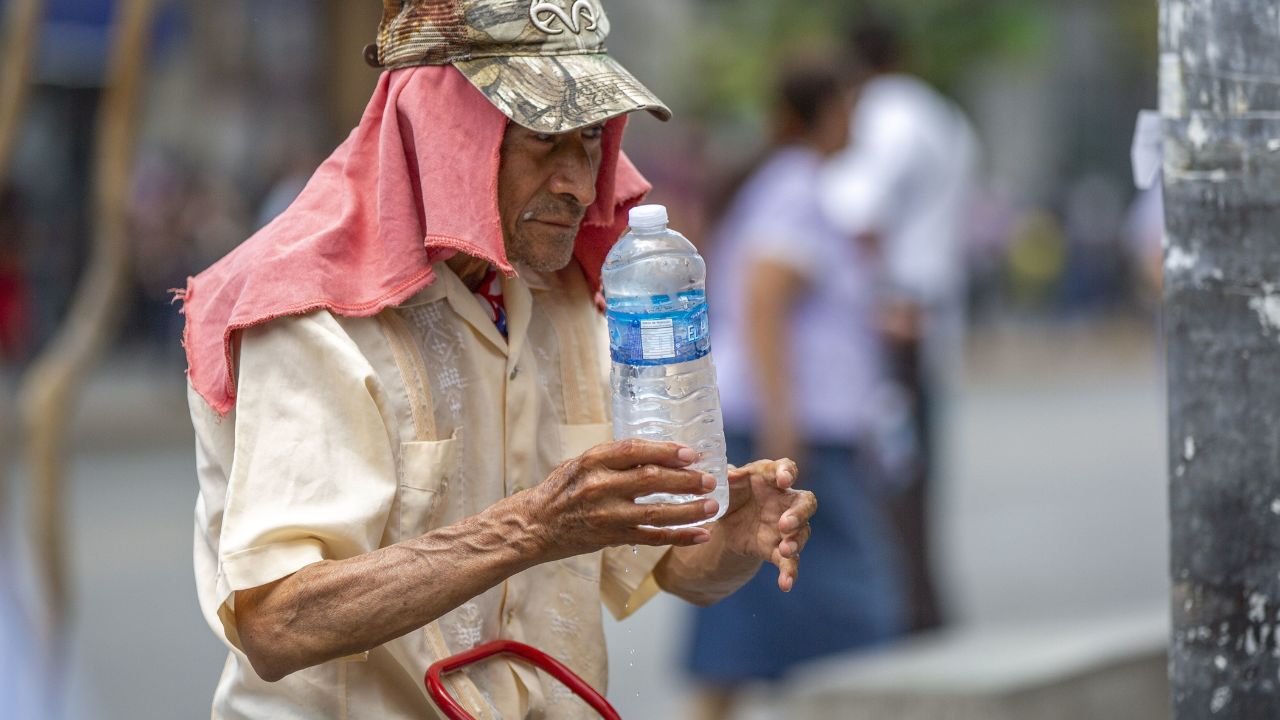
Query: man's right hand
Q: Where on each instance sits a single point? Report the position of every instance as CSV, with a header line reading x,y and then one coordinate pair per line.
x,y
589,502
335,608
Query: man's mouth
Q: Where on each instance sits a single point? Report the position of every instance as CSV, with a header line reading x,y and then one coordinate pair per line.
x,y
567,224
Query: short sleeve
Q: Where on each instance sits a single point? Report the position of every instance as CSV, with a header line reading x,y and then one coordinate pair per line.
x,y
312,475
780,227
626,578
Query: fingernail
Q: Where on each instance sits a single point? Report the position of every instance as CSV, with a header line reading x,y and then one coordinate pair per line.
x,y
687,455
702,539
708,482
710,507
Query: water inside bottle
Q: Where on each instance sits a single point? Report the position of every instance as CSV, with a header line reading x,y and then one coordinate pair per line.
x,y
664,382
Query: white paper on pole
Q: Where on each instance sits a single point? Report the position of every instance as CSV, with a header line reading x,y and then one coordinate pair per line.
x,y
1147,153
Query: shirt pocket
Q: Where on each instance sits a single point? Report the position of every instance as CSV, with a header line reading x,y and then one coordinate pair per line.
x,y
577,439
427,468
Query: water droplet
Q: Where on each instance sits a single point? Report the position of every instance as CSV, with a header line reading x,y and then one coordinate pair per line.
x,y
635,550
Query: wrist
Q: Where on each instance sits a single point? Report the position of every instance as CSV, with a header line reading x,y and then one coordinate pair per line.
x,y
705,574
523,529
731,560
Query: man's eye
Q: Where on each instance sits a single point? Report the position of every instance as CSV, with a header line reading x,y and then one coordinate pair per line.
x,y
595,132
544,137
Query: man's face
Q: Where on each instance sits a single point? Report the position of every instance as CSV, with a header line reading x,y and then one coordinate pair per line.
x,y
545,185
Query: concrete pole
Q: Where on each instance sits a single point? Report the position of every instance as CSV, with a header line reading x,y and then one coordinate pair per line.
x,y
1220,98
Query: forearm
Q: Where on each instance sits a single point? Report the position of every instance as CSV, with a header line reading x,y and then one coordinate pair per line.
x,y
774,289
705,574
776,419
333,609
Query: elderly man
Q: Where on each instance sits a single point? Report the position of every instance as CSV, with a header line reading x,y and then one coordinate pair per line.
x,y
399,393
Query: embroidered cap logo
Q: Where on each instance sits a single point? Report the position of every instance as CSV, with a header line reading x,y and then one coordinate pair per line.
x,y
543,14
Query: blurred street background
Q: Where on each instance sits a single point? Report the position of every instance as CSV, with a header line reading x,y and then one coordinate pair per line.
x,y
1047,504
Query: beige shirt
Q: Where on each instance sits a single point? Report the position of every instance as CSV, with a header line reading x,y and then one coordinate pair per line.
x,y
351,434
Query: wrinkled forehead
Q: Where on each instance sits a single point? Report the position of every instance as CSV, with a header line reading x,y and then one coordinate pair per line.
x,y
470,29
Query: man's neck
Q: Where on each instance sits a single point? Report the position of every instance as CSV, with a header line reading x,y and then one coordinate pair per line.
x,y
469,269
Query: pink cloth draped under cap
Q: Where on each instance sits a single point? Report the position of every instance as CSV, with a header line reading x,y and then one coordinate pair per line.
x,y
413,184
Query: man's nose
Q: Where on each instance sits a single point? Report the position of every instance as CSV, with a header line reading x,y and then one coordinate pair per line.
x,y
575,171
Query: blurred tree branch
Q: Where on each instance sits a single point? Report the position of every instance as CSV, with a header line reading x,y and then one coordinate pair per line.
x,y
20,33
20,26
52,384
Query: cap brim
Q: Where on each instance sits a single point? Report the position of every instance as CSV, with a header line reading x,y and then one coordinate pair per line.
x,y
560,93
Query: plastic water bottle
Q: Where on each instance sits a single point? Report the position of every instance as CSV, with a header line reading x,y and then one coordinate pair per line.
x,y
664,383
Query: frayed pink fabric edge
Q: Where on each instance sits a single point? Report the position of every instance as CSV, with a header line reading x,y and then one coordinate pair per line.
x,y
367,309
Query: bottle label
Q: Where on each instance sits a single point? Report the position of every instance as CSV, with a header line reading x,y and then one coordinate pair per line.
x,y
662,338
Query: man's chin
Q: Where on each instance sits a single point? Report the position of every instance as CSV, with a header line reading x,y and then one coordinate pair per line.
x,y
544,254
546,264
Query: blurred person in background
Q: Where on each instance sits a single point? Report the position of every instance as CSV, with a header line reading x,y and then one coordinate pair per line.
x,y
162,189
1037,262
298,159
14,303
400,405
903,186
1143,238
799,360
1093,218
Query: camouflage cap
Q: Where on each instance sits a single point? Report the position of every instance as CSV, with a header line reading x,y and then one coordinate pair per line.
x,y
541,62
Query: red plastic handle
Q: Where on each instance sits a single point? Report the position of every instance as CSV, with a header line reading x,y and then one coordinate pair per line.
x,y
454,711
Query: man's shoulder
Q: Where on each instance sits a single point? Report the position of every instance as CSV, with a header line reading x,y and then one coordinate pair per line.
x,y
316,322
316,337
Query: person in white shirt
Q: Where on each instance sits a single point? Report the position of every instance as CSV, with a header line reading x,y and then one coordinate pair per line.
x,y
799,363
902,186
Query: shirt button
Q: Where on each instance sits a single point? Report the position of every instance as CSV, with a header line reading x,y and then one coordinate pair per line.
x,y
514,372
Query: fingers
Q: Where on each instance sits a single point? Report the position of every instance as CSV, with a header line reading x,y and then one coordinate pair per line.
x,y
791,546
658,479
795,531
662,515
627,454
797,516
787,558
781,474
680,537
788,572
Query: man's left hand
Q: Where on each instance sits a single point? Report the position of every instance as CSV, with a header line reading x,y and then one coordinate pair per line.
x,y
767,518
